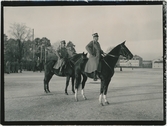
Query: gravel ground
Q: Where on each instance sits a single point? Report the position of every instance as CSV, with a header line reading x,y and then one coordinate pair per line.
x,y
133,95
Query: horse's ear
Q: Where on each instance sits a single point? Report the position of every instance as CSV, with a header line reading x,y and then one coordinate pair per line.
x,y
124,42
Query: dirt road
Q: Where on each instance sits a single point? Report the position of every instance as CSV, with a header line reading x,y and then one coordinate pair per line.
x,y
133,95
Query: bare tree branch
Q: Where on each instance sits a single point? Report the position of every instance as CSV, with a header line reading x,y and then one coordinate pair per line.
x,y
20,31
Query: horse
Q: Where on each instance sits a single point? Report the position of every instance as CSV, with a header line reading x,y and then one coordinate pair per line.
x,y
38,67
68,69
107,63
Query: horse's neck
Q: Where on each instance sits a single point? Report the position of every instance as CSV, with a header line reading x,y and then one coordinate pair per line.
x,y
113,56
115,51
76,57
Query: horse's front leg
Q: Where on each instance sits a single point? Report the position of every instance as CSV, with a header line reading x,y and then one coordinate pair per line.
x,y
101,92
105,99
73,79
105,92
67,83
100,99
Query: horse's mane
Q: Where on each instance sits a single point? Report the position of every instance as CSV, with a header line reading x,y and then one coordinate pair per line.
x,y
113,50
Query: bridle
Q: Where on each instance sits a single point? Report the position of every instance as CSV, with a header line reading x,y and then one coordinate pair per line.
x,y
123,53
70,61
111,55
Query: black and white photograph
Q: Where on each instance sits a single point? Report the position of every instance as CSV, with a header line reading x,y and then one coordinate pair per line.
x,y
89,63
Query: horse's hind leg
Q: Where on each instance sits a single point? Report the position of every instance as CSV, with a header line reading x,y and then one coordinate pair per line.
x,y
67,83
101,92
83,85
77,83
47,78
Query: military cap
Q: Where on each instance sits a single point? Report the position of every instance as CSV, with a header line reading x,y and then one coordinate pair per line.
x,y
95,35
63,41
71,44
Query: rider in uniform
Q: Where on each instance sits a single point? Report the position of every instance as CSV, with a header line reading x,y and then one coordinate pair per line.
x,y
62,55
95,51
71,49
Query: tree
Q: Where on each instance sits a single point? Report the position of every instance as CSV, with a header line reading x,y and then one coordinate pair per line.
x,y
21,33
40,46
11,50
28,50
45,42
5,42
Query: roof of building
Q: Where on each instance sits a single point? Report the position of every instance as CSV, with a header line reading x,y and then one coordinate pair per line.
x,y
147,60
160,61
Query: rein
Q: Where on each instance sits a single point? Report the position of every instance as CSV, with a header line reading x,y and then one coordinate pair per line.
x,y
111,55
77,61
107,64
73,61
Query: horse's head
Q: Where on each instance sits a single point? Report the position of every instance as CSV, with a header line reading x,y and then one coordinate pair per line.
x,y
84,56
70,44
124,51
78,58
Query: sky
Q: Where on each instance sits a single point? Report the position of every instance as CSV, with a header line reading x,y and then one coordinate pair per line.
x,y
140,25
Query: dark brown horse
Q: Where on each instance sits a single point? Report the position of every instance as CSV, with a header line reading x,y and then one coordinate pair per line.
x,y
108,63
68,71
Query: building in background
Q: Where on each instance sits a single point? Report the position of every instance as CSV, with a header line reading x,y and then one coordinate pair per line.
x,y
157,63
135,62
147,64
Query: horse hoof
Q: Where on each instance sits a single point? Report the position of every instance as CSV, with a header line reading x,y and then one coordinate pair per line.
x,y
107,103
101,104
85,98
66,93
46,91
73,92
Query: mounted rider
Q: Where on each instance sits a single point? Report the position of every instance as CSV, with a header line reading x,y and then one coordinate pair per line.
x,y
71,49
95,51
62,55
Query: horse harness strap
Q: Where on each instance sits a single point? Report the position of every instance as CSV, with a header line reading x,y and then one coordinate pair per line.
x,y
77,60
107,65
112,55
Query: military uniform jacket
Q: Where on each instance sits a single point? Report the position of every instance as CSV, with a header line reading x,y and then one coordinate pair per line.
x,y
95,52
62,53
71,51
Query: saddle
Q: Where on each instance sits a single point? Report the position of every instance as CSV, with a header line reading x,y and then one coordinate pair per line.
x,y
58,64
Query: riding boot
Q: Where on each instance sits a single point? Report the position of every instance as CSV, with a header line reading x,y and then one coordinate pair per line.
x,y
95,76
